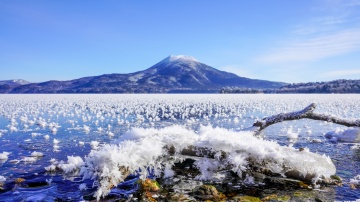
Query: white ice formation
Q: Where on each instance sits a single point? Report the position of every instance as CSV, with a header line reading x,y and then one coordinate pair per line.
x,y
37,154
143,149
4,155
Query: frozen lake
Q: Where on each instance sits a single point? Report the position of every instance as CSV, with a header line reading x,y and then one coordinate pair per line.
x,y
38,131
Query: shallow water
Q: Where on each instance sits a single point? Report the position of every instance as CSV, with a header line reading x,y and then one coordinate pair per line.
x,y
25,120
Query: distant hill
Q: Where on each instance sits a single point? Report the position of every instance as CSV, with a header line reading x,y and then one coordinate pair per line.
x,y
7,85
337,86
174,74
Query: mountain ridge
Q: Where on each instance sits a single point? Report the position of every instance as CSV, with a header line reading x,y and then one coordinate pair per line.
x,y
173,74
339,86
7,85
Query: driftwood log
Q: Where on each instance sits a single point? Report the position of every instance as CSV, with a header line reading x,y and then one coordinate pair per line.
x,y
306,113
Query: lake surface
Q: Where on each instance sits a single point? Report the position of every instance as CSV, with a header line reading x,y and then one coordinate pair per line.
x,y
58,126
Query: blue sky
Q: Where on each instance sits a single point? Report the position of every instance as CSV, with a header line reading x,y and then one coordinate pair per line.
x,y
278,40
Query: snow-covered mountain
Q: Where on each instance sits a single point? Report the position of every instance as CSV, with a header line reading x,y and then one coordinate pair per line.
x,y
8,85
14,82
173,74
184,73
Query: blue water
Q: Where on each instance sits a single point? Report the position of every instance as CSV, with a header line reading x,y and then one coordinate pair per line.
x,y
69,113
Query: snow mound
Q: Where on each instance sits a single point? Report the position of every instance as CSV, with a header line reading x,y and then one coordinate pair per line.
x,y
4,155
142,149
351,135
37,154
355,180
74,163
94,145
56,141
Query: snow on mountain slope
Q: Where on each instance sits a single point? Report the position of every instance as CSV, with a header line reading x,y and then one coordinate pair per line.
x,y
14,82
7,85
175,73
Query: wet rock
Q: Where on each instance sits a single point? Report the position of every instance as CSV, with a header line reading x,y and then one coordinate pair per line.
x,y
276,198
295,174
208,192
352,186
284,182
179,197
37,184
149,197
149,190
302,194
185,185
284,198
19,180
333,180
335,177
269,197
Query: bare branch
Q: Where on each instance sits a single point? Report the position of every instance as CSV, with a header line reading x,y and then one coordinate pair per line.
x,y
307,113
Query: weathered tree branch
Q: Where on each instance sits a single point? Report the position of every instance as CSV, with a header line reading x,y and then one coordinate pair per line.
x,y
307,113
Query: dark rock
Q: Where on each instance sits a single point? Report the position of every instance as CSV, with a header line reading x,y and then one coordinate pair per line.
x,y
207,192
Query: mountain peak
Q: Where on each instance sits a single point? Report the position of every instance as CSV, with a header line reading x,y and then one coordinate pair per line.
x,y
20,81
176,61
173,58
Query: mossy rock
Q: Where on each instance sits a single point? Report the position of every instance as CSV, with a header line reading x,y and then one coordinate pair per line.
x,y
303,185
335,177
276,198
245,199
284,198
303,195
150,185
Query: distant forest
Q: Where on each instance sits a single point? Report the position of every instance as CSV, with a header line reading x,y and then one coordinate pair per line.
x,y
337,86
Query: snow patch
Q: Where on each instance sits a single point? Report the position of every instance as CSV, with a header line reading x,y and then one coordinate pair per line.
x,y
136,77
351,135
73,163
355,180
173,58
29,159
